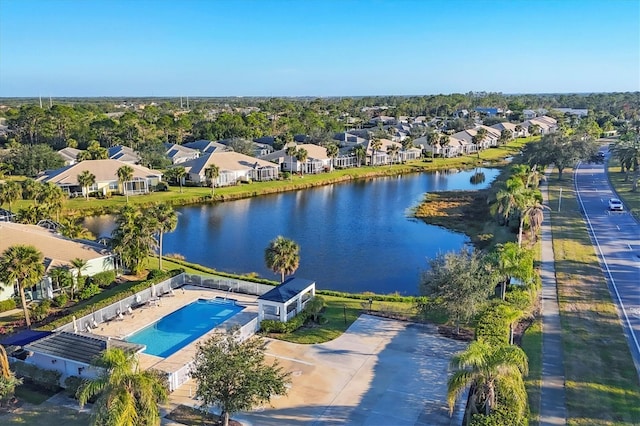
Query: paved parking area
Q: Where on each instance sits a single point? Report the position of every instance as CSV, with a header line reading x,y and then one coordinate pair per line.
x,y
380,372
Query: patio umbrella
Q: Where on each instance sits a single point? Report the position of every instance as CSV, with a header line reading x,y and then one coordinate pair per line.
x,y
75,324
153,290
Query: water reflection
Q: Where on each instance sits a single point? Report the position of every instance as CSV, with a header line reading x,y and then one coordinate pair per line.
x,y
353,236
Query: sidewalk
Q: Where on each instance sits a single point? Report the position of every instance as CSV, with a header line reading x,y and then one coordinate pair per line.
x,y
552,400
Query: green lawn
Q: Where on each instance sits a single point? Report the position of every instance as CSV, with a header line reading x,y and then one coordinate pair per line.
x,y
45,415
532,345
339,314
623,187
601,384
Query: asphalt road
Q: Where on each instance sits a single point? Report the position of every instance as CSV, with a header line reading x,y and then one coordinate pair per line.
x,y
616,237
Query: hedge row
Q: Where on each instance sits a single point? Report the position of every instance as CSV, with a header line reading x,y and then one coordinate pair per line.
x,y
110,300
372,296
273,326
206,270
47,379
7,305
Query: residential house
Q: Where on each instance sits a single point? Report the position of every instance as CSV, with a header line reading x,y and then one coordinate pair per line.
x,y
69,155
179,154
260,149
317,160
452,148
208,147
58,251
233,168
106,173
349,139
547,124
579,112
124,154
489,111
512,127
528,114
380,156
383,120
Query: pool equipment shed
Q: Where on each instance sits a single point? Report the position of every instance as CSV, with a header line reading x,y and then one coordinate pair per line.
x,y
286,300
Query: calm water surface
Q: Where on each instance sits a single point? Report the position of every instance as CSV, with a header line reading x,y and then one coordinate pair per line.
x,y
354,236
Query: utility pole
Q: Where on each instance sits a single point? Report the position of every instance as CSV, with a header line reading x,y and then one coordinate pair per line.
x,y
180,102
187,102
40,101
50,103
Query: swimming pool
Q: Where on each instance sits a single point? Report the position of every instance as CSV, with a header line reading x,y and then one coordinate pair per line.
x,y
176,330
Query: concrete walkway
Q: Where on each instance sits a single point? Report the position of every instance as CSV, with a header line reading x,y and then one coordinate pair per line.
x,y
552,401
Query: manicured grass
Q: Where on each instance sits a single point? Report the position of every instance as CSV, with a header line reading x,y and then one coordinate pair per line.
x,y
623,187
43,415
532,345
32,393
339,314
601,384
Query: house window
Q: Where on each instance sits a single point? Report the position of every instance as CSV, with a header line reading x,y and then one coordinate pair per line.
x,y
113,186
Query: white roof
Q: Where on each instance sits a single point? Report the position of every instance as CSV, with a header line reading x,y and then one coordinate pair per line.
x,y
226,161
103,170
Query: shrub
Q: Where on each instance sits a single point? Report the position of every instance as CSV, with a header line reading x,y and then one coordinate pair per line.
x,y
7,305
71,385
273,326
104,279
41,310
89,291
155,273
47,379
493,324
162,186
60,300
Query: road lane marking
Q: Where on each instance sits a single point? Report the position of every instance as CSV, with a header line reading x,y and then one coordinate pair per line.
x,y
629,245
618,227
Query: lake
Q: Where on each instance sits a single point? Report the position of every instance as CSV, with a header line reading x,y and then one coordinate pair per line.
x,y
355,236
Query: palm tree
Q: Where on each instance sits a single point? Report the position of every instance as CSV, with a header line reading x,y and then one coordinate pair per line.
x,y
133,238
487,367
392,152
22,264
301,156
125,174
518,128
376,145
61,276
360,152
627,151
165,220
332,152
509,199
180,173
211,173
511,261
126,395
79,264
72,228
444,141
291,151
477,139
8,379
52,197
86,179
533,215
10,192
282,256
30,189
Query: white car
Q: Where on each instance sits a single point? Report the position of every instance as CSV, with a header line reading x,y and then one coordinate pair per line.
x,y
615,205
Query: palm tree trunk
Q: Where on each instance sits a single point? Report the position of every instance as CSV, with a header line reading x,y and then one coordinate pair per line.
x,y
24,306
160,252
225,418
180,180
282,280
520,231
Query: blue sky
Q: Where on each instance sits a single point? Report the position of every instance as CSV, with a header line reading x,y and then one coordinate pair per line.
x,y
316,48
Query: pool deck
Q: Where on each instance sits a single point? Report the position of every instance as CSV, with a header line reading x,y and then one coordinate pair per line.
x,y
149,314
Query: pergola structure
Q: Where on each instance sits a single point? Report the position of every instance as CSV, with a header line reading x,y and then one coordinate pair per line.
x,y
286,300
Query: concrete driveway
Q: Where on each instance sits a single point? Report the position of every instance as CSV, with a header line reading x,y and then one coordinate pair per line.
x,y
379,372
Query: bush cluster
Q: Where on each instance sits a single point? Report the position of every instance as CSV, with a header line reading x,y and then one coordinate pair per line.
x,y
104,279
88,291
7,305
47,379
60,300
273,326
41,310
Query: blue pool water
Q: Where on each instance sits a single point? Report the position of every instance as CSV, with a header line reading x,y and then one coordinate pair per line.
x,y
176,330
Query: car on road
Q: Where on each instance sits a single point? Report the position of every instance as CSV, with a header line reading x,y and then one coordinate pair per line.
x,y
615,205
597,158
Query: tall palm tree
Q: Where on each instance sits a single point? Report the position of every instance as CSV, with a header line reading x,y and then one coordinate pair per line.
x,y
486,367
376,145
86,179
211,173
291,151
392,152
533,215
301,156
509,199
166,220
511,261
10,192
133,238
52,197
360,152
126,395
22,264
282,256
125,174
79,264
478,138
180,173
332,153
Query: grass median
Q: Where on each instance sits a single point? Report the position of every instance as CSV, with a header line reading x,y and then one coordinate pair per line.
x,y
623,185
601,384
